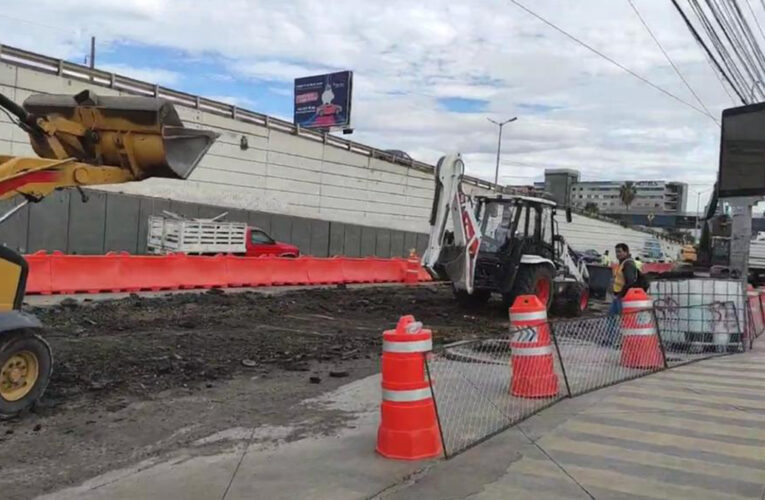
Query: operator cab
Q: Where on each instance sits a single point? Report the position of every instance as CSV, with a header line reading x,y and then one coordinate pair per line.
x,y
512,227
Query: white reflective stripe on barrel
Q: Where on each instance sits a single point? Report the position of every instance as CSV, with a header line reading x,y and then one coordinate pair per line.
x,y
412,346
637,304
406,396
531,351
639,331
527,316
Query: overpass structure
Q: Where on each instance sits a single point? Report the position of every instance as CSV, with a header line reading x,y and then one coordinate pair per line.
x,y
328,195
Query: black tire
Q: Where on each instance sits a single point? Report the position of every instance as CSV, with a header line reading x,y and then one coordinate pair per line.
x,y
474,300
25,341
577,299
526,283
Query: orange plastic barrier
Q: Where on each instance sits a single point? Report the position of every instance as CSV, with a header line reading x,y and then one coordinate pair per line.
x,y
85,274
325,271
356,270
39,277
248,271
120,272
287,271
387,270
151,272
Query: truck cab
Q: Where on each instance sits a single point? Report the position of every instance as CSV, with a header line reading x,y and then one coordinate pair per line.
x,y
260,243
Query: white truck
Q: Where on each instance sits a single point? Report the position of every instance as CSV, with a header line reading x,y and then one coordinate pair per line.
x,y
172,233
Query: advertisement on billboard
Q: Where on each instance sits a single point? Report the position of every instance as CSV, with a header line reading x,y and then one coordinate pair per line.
x,y
324,101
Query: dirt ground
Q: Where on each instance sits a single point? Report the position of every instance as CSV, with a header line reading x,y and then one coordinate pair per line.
x,y
137,378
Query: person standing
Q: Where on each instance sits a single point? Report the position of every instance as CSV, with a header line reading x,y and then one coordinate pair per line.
x,y
625,277
605,260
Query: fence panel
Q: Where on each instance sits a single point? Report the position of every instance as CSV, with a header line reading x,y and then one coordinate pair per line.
x,y
698,332
471,384
591,351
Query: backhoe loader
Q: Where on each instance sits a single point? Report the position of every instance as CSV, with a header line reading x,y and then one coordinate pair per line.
x,y
504,244
82,140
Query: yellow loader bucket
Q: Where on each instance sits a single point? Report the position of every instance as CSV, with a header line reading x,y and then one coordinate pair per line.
x,y
144,134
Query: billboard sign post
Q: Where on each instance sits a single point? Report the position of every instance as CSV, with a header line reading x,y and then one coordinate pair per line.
x,y
323,102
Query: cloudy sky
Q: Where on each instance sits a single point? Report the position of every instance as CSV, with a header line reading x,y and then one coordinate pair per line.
x,y
427,74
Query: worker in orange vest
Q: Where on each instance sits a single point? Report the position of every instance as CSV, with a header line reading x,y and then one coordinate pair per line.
x,y
625,277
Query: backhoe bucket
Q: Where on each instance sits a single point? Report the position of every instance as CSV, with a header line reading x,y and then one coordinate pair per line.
x,y
144,134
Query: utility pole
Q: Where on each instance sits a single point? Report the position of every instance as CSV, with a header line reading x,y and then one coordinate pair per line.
x,y
751,90
499,144
92,52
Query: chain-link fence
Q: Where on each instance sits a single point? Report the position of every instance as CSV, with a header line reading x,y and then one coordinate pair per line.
x,y
594,352
482,387
472,385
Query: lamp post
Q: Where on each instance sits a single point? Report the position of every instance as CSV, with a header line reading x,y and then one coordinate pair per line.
x,y
499,143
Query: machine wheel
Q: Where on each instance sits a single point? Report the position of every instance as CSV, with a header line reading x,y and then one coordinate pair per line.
x,y
474,300
533,280
25,368
577,300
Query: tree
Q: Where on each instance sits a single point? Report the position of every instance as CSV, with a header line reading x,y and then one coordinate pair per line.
x,y
628,193
591,207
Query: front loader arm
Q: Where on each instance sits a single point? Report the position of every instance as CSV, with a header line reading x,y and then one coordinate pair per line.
x,y
36,178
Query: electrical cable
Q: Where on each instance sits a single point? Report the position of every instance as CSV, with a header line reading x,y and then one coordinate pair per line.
x,y
609,59
669,59
711,56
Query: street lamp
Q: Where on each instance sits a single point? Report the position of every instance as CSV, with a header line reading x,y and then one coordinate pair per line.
x,y
499,143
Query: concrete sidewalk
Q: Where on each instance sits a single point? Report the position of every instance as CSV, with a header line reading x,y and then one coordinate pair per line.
x,y
693,432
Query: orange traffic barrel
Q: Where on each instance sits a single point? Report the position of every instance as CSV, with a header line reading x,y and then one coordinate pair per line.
x,y
408,423
640,340
531,350
412,268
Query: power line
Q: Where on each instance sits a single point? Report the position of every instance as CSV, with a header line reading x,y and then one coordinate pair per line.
x,y
669,59
609,59
711,56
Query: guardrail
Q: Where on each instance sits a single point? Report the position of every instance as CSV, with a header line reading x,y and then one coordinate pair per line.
x,y
58,273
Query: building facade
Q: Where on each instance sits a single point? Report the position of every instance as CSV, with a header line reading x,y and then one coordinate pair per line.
x,y
651,197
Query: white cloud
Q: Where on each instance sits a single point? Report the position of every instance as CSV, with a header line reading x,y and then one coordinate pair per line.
x,y
405,55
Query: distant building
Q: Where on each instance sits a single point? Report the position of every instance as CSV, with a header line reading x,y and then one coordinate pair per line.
x,y
656,197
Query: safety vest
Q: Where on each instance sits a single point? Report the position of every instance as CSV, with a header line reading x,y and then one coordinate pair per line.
x,y
619,280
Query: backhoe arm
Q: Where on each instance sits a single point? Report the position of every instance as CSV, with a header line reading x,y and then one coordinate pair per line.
x,y
449,201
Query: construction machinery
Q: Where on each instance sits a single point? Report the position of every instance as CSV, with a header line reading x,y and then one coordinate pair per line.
x,y
503,244
82,140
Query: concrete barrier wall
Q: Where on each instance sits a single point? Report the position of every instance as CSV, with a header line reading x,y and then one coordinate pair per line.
x,y
288,179
278,171
118,222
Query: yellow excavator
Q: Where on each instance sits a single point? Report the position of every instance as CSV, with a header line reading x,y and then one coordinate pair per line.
x,y
82,140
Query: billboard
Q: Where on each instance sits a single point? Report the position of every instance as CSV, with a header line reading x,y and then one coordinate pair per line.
x,y
742,152
324,101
